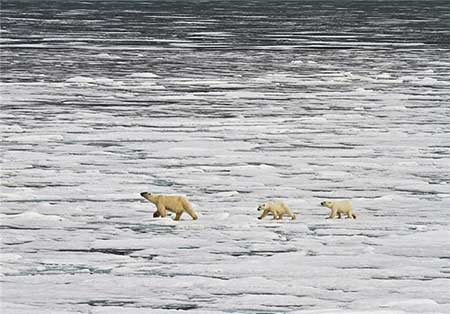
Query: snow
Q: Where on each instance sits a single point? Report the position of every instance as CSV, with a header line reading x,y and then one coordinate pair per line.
x,y
144,75
231,108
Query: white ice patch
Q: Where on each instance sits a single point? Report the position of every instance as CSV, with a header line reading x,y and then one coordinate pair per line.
x,y
144,75
106,56
81,80
30,220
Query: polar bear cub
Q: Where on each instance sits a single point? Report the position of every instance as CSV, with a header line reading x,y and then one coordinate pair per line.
x,y
173,203
339,207
277,209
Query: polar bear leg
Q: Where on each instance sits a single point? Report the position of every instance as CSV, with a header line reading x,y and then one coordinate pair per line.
x,y
162,210
191,213
351,215
289,212
188,208
264,214
333,213
178,216
274,214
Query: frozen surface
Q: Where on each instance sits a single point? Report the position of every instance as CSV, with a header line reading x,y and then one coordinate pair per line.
x,y
232,104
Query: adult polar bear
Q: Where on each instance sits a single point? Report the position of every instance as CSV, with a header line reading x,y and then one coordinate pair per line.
x,y
173,203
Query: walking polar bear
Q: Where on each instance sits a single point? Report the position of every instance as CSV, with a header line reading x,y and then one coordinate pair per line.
x,y
277,209
179,204
173,203
338,208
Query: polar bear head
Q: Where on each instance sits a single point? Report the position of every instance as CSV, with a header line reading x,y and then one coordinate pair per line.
x,y
327,204
149,196
262,206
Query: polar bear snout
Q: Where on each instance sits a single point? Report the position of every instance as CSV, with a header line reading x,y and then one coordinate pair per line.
x,y
326,204
143,194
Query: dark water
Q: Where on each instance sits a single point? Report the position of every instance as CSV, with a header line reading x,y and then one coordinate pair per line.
x,y
51,40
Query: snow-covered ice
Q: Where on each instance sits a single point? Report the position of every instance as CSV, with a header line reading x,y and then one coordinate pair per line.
x,y
231,104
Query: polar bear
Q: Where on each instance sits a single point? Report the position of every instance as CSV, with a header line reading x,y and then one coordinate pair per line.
x,y
278,209
339,207
173,203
